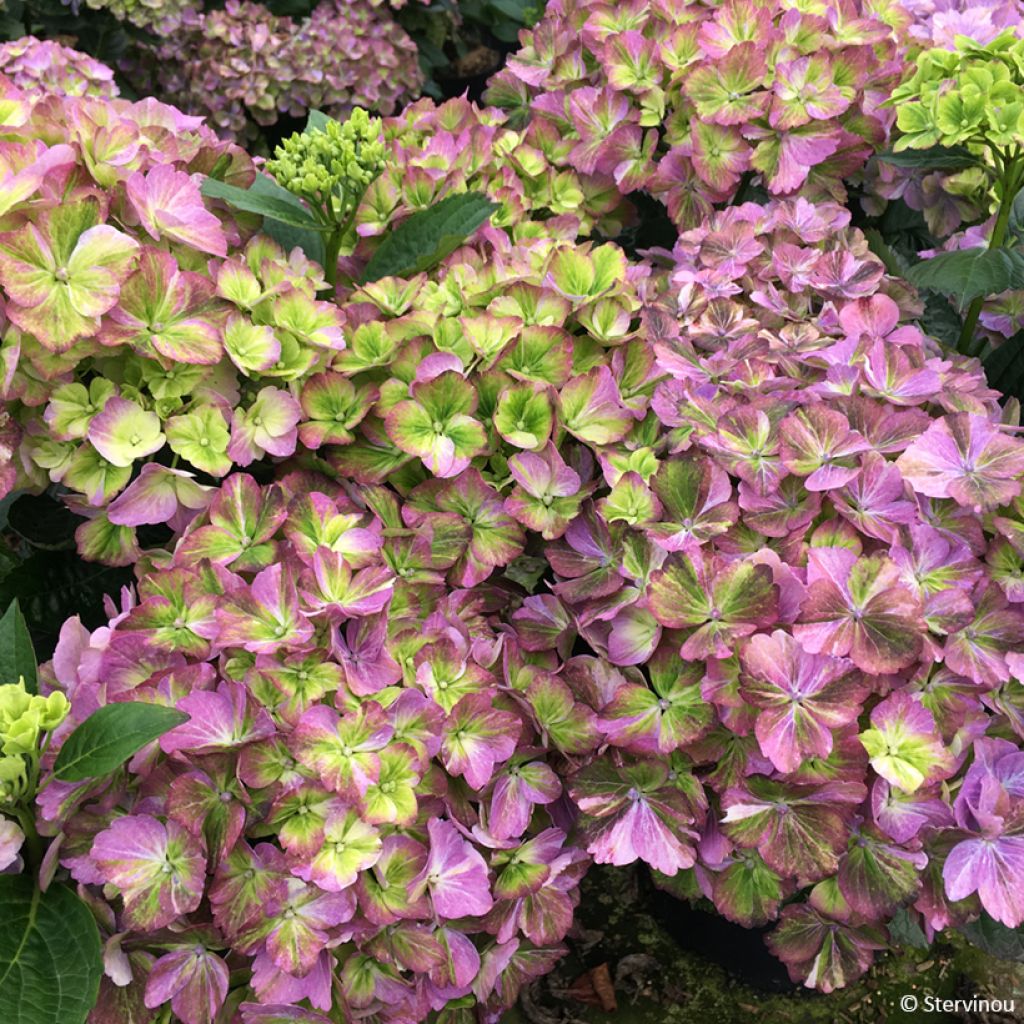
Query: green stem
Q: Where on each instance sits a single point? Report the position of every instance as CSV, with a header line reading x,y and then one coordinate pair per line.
x,y
34,847
1011,184
333,247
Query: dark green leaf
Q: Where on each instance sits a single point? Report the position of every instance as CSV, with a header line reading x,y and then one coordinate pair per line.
x,y
109,736
310,241
969,273
526,571
50,954
317,121
937,158
17,658
426,238
1016,224
43,521
941,320
1004,367
291,8
894,263
906,932
995,938
51,586
268,200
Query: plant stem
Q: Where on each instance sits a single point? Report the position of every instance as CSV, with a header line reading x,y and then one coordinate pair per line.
x,y
333,249
965,343
34,849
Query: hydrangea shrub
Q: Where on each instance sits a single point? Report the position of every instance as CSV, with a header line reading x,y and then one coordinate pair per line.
x,y
782,524
243,67
47,66
710,561
691,100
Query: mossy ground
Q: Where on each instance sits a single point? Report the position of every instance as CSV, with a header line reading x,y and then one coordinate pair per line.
x,y
657,981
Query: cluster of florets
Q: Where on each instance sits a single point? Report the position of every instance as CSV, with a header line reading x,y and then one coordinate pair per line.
x,y
167,333
783,530
435,150
27,721
688,100
202,351
24,720
333,165
969,94
879,502
47,66
160,16
940,22
361,808
244,67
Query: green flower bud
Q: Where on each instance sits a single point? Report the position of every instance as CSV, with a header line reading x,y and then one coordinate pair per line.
x,y
53,709
23,716
14,702
13,780
22,735
333,165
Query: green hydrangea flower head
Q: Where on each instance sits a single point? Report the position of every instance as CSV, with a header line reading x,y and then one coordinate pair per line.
x,y
972,96
333,164
23,716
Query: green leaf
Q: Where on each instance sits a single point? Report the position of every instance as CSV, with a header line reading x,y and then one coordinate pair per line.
x,y
995,938
941,320
50,954
17,658
51,586
937,158
43,522
969,273
309,240
906,932
526,571
426,238
316,121
1016,222
1004,367
109,736
267,199
894,262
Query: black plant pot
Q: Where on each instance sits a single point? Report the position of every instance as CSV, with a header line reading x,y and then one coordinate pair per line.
x,y
740,951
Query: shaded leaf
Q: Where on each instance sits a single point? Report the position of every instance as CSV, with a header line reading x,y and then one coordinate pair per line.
x,y
43,522
309,240
906,932
426,238
936,158
267,199
1004,367
968,273
316,121
996,939
1016,224
17,657
53,585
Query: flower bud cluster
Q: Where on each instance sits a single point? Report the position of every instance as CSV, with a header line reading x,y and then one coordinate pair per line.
x,y
333,166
